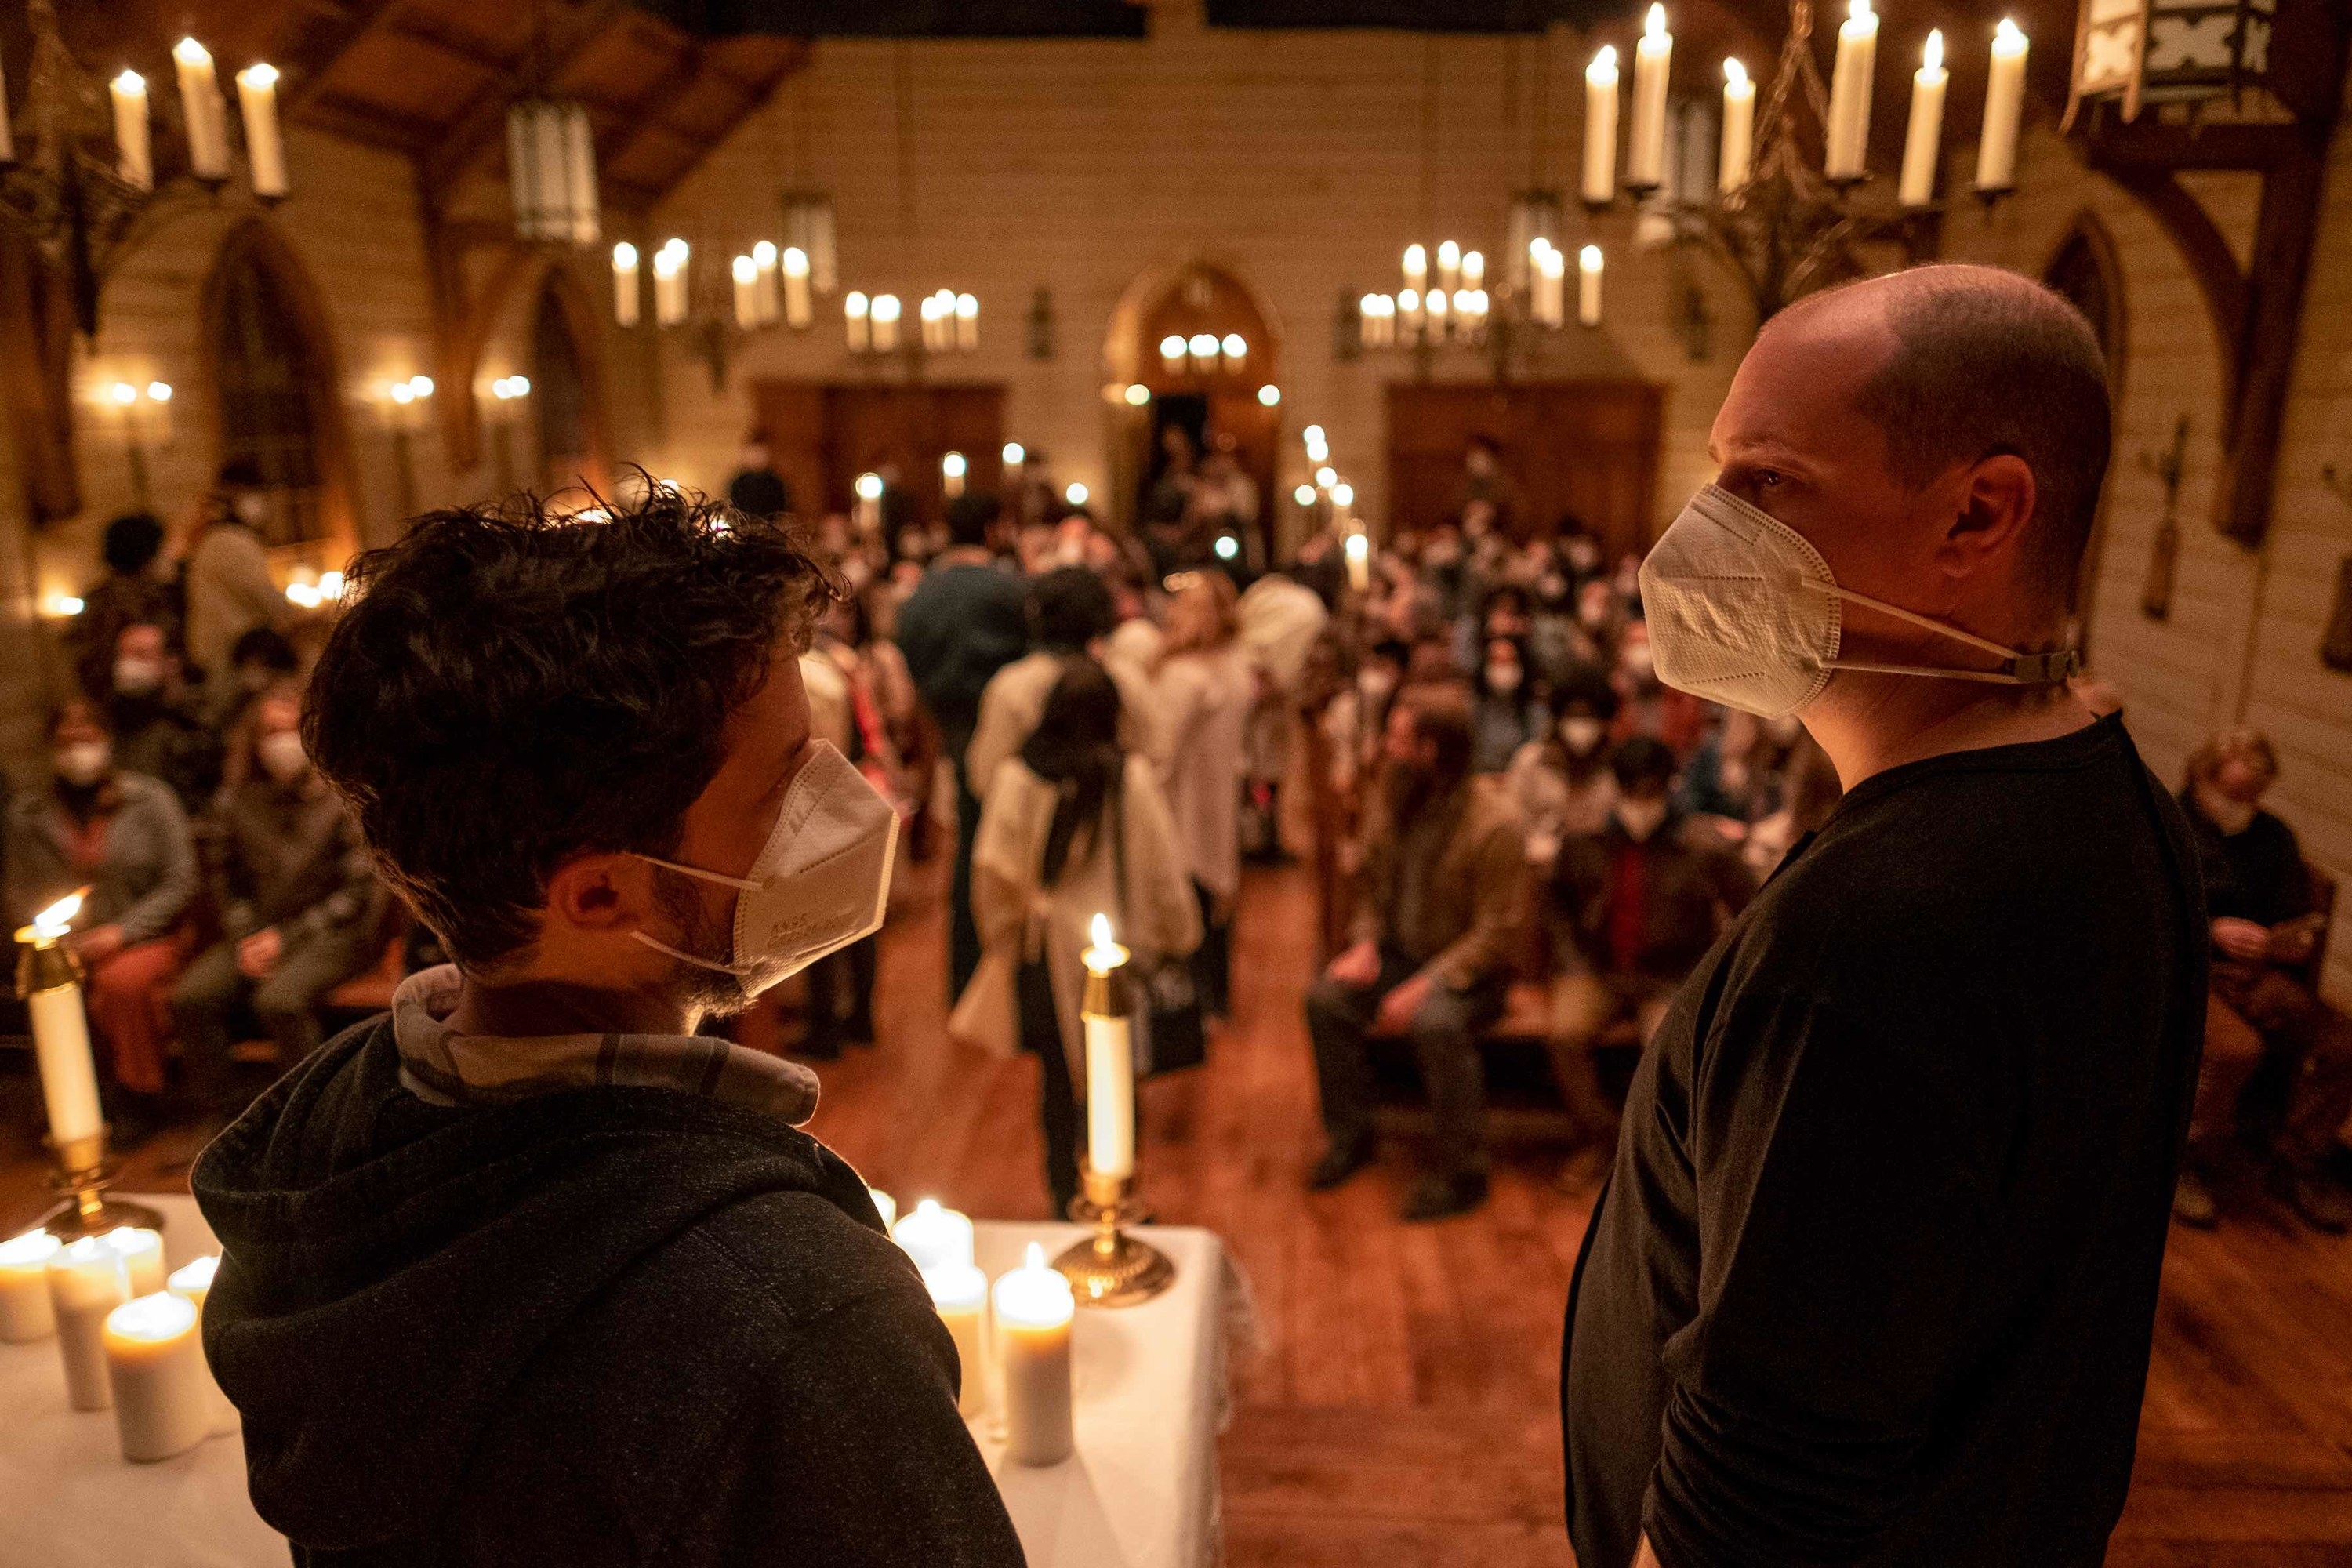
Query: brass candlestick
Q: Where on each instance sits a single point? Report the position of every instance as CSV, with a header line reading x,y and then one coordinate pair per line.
x,y
1112,1268
48,980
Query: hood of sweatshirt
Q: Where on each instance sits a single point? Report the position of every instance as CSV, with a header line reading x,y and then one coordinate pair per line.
x,y
390,1267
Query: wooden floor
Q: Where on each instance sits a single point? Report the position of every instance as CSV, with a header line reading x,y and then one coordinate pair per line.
x,y
1404,1415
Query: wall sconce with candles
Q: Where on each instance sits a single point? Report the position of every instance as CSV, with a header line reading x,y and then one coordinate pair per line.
x,y
507,395
130,398
403,411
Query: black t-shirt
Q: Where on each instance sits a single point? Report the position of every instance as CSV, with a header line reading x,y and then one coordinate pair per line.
x,y
1875,1275
2254,875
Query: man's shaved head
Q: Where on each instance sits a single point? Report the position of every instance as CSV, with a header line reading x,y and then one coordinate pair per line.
x,y
1984,362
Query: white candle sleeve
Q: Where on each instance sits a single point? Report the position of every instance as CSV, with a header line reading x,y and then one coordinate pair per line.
x,y
68,1077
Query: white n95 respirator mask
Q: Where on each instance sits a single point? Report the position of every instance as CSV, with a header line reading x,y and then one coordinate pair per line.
x,y
821,882
1743,611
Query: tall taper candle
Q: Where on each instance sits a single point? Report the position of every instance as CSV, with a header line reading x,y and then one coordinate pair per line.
x,y
1033,1312
1601,127
135,157
1739,128
1847,137
265,144
60,1030
2004,103
25,1310
1923,141
155,1361
624,285
202,111
87,1281
1588,285
1110,1060
1645,152
796,287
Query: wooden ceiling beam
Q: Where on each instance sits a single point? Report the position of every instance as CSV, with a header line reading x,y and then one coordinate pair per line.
x,y
2147,143
368,122
414,27
330,27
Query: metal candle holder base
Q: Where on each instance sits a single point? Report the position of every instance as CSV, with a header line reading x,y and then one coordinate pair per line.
x,y
1112,1268
83,1174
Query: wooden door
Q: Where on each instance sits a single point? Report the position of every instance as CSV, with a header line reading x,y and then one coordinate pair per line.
x,y
1589,449
824,437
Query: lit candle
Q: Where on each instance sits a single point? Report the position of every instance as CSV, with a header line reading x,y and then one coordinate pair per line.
x,y
1601,127
1110,1059
1409,307
134,159
747,293
625,284
194,1282
886,312
87,1281
866,513
205,116
1204,351
1474,270
1739,128
1449,265
797,308
960,1293
1588,285
884,1205
1359,562
856,313
1437,313
1013,455
1416,268
1645,154
1925,138
1172,354
933,1236
264,147
953,468
764,261
928,311
25,1310
61,1035
155,1360
669,282
1235,349
2004,103
1033,1312
1847,137
1551,286
967,321
142,1251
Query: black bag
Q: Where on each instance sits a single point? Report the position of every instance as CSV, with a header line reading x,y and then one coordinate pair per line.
x,y
1167,1029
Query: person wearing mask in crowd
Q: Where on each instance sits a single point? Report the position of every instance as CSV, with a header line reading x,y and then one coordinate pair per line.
x,y
2264,933
1377,679
299,908
133,592
756,489
230,590
156,729
1074,824
1069,612
1561,781
258,660
591,1287
962,623
1507,715
1600,621
1875,1274
1434,938
1487,492
1637,904
1579,552
1205,688
1504,613
123,837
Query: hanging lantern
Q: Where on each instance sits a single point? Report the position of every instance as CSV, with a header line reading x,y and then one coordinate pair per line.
x,y
2131,52
808,227
552,171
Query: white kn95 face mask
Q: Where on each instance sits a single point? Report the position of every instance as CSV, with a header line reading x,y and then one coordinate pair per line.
x,y
1743,611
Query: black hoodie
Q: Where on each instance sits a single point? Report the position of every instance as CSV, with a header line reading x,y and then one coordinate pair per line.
x,y
608,1325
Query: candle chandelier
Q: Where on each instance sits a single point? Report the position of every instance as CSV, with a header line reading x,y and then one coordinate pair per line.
x,y
77,168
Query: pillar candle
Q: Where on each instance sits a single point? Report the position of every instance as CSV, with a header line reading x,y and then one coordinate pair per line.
x,y
1110,1060
87,1281
2004,103
265,146
1739,128
1474,270
1646,152
1588,285
1409,308
141,1252
1449,265
884,1205
960,1292
205,116
1601,127
134,159
1847,138
195,1282
796,287
162,1394
933,1236
25,1310
1033,1312
1924,139
625,284
669,283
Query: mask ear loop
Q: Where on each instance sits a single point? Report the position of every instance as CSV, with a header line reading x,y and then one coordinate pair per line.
x,y
698,873
2022,668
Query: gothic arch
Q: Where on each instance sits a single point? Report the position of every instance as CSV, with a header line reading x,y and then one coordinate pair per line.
x,y
2086,268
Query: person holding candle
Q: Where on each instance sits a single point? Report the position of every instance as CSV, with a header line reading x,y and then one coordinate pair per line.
x,y
1074,825
1875,1273
529,1270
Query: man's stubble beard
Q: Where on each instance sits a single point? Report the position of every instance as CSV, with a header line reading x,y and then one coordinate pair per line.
x,y
706,992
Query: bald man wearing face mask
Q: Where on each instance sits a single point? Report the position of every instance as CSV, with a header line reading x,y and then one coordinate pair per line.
x,y
1873,1277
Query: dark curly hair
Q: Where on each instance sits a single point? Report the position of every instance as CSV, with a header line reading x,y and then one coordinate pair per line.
x,y
506,688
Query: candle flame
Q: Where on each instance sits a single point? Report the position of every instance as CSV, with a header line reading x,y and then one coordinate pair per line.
x,y
796,261
625,256
1588,258
1099,928
2007,38
1359,547
161,1316
51,923
1604,64
745,269
189,52
928,1206
1932,57
1034,1258
1656,26
1859,11
1734,72
131,84
258,75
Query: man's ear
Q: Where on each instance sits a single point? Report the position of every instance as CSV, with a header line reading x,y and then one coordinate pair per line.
x,y
1994,507
600,892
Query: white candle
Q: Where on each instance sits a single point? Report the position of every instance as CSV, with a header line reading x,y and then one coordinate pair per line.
x,y
933,1236
141,1252
2004,103
61,1034
1601,127
747,291
87,1281
960,1293
194,1282
1449,265
265,146
625,284
162,1394
1645,154
1848,135
1474,270
134,159
885,322
764,261
25,1310
797,311
1739,128
1359,562
953,468
1551,286
201,108
1925,138
1588,285
1033,1312
1409,306
669,282
1416,268
884,1205
1110,1066
856,313
967,321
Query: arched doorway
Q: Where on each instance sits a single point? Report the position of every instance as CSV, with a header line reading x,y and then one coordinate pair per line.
x,y
1194,452
273,389
2085,269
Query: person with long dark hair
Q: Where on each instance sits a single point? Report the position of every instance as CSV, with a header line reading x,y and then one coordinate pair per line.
x,y
1072,826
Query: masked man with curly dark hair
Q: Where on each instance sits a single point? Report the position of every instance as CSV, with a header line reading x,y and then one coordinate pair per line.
x,y
528,1271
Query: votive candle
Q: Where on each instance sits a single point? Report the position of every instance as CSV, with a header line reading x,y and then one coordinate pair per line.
x,y
933,1236
960,1293
162,1393
87,1280
1035,1308
25,1310
142,1251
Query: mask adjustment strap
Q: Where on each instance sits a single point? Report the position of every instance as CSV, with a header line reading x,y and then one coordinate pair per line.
x,y
2022,669
698,873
